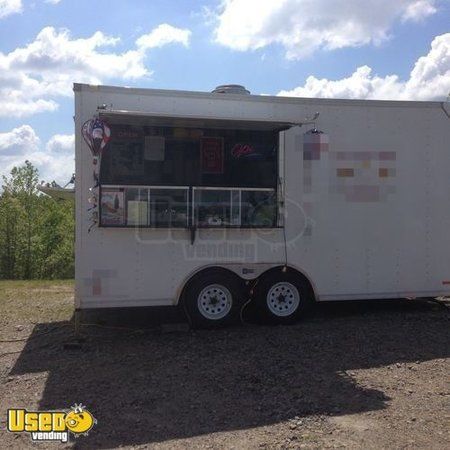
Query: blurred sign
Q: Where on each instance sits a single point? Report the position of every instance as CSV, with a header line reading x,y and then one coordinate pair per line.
x,y
211,155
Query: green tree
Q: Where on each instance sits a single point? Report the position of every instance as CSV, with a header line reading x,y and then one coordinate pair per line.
x,y
22,185
36,232
56,239
10,218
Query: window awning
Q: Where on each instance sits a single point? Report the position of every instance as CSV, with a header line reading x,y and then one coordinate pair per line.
x,y
190,121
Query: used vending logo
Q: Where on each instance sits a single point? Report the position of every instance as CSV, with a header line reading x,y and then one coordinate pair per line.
x,y
51,425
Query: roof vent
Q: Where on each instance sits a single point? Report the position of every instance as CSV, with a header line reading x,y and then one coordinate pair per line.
x,y
231,89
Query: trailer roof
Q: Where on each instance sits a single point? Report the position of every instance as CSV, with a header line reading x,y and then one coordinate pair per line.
x,y
255,98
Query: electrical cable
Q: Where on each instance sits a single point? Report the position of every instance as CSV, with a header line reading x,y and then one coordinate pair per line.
x,y
284,203
187,313
241,312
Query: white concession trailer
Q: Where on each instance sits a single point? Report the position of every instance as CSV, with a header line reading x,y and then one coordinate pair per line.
x,y
214,200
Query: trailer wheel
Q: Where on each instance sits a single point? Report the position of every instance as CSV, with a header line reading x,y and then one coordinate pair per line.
x,y
213,299
282,297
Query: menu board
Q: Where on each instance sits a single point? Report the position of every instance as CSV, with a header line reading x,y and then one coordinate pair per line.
x,y
137,213
154,148
211,154
112,207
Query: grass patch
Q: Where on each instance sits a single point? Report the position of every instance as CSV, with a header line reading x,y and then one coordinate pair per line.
x,y
35,301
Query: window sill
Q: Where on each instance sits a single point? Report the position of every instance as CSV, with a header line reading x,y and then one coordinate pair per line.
x,y
221,227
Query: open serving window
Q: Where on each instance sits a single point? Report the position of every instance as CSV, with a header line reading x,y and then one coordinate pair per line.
x,y
179,172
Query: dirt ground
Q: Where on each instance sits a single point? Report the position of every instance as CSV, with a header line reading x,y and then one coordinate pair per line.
x,y
368,376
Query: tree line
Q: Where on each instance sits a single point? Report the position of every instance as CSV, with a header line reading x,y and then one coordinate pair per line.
x,y
36,232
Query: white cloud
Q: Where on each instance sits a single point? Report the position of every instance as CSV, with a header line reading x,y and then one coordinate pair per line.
x,y
419,10
53,2
19,107
428,80
162,35
61,143
55,160
31,77
303,26
52,168
8,7
18,141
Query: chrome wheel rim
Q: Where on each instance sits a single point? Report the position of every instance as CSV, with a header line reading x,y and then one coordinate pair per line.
x,y
283,299
214,302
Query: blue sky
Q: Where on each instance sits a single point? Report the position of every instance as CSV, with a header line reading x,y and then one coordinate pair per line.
x,y
321,48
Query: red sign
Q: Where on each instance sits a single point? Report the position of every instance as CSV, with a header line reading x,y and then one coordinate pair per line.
x,y
211,154
242,150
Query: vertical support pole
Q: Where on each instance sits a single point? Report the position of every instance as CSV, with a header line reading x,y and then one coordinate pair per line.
x,y
77,323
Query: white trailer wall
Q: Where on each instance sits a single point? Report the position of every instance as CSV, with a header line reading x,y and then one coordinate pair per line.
x,y
350,245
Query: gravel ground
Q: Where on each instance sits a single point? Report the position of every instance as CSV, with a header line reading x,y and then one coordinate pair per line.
x,y
368,376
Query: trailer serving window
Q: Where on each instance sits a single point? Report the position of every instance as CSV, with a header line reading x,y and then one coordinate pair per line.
x,y
179,172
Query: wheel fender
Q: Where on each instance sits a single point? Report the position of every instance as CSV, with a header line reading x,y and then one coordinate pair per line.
x,y
296,271
198,272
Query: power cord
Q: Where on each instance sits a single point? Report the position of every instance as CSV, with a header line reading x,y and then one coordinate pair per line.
x,y
241,312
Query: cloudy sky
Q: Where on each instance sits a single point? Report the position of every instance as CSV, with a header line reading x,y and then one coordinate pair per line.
x,y
380,49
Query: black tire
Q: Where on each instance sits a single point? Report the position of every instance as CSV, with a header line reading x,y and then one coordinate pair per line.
x,y
275,297
213,299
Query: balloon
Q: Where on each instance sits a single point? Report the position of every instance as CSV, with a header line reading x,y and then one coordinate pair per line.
x,y
96,134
